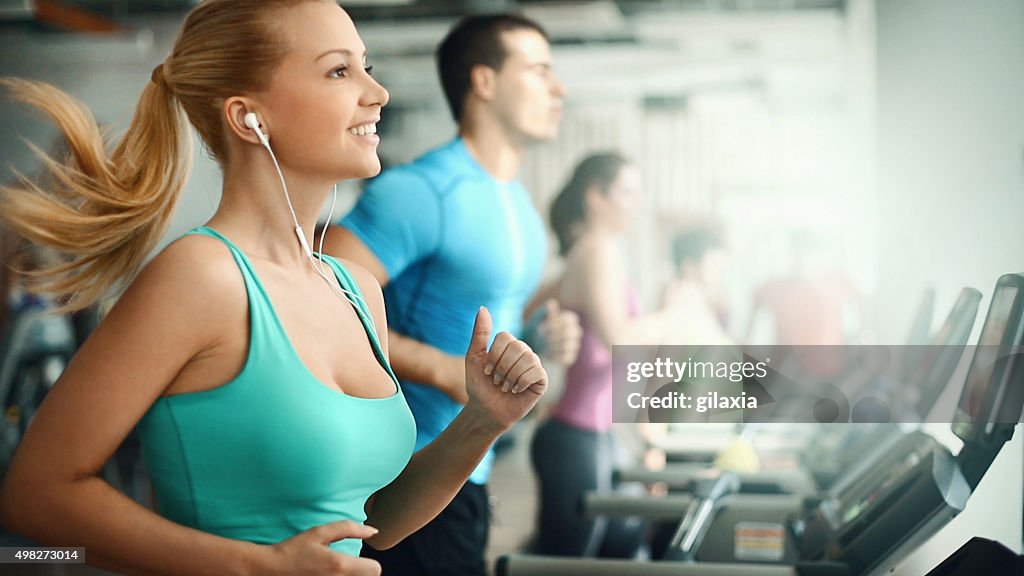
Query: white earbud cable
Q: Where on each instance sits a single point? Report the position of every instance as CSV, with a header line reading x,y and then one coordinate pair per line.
x,y
318,262
323,232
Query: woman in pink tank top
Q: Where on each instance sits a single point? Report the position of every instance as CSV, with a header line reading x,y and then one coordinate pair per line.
x,y
573,451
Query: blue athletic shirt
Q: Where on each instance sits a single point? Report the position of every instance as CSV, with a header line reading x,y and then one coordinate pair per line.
x,y
452,238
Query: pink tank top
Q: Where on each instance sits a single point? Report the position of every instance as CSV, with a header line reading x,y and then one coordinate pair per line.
x,y
586,401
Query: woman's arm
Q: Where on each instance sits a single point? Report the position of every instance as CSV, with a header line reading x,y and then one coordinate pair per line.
x,y
503,384
53,492
431,480
550,330
171,316
435,473
601,288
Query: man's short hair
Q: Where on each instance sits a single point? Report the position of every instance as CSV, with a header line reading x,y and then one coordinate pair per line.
x,y
690,245
475,40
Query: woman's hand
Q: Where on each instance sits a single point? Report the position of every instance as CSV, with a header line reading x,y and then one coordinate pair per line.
x,y
308,553
555,333
505,382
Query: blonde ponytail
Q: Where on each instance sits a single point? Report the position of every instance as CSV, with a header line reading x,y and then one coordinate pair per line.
x,y
107,213
104,213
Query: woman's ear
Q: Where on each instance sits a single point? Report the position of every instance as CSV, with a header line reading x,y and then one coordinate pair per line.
x,y
593,199
235,110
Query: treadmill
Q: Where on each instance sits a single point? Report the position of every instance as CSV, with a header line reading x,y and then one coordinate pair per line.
x,y
866,524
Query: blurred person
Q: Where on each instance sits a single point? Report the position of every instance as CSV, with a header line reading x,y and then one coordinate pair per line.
x,y
816,304
699,287
574,450
451,230
269,445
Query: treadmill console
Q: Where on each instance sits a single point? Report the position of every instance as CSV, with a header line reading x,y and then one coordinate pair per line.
x,y
990,405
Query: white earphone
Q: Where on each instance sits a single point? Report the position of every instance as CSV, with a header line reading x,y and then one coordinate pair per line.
x,y
252,121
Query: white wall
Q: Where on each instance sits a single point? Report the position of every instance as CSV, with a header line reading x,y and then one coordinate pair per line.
x,y
951,193
951,150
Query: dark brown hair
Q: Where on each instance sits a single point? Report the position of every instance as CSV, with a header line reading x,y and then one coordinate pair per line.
x,y
474,41
568,208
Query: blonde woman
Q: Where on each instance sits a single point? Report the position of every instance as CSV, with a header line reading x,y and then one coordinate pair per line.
x,y
257,372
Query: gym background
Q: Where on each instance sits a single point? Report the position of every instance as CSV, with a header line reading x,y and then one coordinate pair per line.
x,y
887,133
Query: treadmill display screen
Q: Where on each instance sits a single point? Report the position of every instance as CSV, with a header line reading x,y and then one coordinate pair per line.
x,y
938,362
975,402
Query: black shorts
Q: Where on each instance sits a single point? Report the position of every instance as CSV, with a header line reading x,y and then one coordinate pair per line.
x,y
453,544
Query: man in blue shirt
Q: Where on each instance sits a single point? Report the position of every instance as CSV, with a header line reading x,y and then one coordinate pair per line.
x,y
451,231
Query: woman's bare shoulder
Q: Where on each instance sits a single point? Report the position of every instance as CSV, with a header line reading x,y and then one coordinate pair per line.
x,y
367,282
194,276
594,254
195,261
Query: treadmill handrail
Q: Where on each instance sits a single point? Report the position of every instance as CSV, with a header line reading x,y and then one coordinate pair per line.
x,y
527,565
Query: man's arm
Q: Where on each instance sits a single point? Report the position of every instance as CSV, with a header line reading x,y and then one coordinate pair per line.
x,y
410,359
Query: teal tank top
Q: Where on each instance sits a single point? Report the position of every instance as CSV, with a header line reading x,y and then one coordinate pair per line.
x,y
274,452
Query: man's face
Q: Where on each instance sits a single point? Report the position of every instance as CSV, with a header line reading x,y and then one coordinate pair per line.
x,y
528,95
